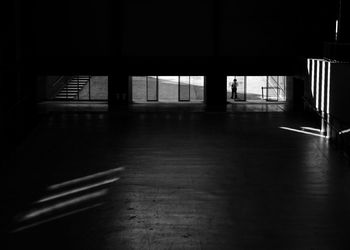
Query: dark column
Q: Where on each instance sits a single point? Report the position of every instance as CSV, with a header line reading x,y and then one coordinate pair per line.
x,y
215,94
297,94
118,90
216,23
215,81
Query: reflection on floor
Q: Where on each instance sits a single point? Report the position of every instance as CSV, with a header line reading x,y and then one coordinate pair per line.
x,y
191,180
48,107
71,106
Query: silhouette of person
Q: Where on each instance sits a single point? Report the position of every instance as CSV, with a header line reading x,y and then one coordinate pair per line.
x,y
234,89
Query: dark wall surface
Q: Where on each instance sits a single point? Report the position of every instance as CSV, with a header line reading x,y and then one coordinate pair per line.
x,y
99,34
339,92
68,28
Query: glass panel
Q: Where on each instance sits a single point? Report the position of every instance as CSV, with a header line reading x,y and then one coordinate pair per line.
x,y
64,93
272,90
276,88
197,88
152,88
79,86
281,88
256,88
184,87
139,89
236,93
168,88
99,87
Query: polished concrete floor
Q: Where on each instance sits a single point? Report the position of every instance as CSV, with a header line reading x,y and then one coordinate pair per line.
x,y
177,180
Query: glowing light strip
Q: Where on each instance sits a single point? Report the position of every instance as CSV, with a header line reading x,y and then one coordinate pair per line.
x,y
302,132
64,204
88,177
312,77
323,79
317,84
344,131
336,29
56,217
328,100
328,87
77,190
312,129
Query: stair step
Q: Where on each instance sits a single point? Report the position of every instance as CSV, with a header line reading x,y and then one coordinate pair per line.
x,y
65,92
73,87
64,98
76,83
69,91
80,79
69,94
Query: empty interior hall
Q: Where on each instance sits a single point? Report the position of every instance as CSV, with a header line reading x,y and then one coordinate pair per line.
x,y
197,124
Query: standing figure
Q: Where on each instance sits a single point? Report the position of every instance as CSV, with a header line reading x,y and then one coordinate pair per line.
x,y
234,89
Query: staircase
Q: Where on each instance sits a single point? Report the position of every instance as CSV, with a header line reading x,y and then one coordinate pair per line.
x,y
73,87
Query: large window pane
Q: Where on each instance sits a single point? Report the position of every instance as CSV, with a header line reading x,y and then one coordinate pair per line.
x,y
197,88
282,88
184,87
272,90
152,88
168,88
276,88
256,88
99,88
139,88
241,88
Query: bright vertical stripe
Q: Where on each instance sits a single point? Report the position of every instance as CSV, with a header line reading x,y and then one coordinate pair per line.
x,y
328,100
312,77
336,29
309,71
317,84
328,88
323,84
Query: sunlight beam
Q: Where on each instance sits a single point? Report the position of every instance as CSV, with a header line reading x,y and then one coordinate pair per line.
x,y
312,129
56,217
302,132
38,212
77,190
344,131
85,178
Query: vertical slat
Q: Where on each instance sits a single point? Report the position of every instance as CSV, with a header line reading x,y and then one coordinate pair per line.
x,y
323,85
317,84
312,71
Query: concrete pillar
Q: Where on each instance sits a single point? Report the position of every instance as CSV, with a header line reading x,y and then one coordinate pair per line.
x,y
118,90
295,93
215,89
